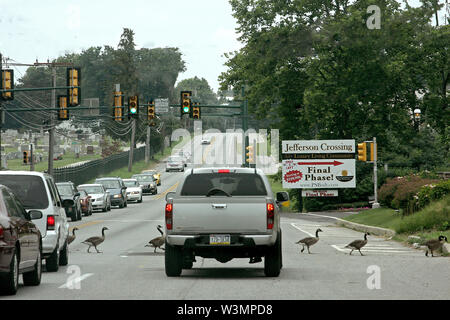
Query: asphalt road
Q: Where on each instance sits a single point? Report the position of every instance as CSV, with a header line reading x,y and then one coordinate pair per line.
x,y
126,269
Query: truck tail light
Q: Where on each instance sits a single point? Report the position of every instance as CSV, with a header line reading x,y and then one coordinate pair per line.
x,y
50,222
169,216
1,232
270,215
224,171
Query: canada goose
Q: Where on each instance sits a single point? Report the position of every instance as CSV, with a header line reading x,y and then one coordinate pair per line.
x,y
158,241
435,244
309,241
72,237
95,241
358,244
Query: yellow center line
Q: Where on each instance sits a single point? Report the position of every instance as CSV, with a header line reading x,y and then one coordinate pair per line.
x,y
87,224
205,153
165,192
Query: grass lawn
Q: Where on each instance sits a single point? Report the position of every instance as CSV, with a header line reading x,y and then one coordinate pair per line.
x,y
429,223
68,158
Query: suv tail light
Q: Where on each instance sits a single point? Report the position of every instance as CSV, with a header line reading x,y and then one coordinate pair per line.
x,y
1,232
169,216
50,222
270,215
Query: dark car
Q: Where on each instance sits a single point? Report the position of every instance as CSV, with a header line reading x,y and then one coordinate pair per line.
x,y
117,190
20,244
147,182
86,203
67,190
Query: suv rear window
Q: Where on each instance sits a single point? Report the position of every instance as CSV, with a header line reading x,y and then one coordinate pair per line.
x,y
235,184
29,189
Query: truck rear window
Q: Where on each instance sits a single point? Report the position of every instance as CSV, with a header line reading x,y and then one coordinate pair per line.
x,y
242,184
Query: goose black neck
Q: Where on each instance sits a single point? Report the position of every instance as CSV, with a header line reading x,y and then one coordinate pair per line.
x,y
73,231
159,229
365,236
317,233
103,233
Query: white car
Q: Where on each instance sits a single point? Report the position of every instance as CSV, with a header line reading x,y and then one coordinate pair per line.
x,y
99,195
37,191
206,141
134,190
175,163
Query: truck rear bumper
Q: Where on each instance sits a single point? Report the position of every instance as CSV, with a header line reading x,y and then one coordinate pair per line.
x,y
236,240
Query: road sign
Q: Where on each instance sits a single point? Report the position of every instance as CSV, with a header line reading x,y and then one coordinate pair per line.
x,y
162,105
320,193
319,173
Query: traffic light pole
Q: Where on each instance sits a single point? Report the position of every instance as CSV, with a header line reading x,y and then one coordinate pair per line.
x,y
147,145
133,134
375,176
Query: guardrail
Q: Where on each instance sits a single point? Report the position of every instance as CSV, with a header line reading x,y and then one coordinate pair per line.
x,y
86,171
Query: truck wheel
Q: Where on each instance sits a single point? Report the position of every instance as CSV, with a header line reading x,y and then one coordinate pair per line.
x,y
272,260
173,260
33,278
187,264
64,256
52,262
9,282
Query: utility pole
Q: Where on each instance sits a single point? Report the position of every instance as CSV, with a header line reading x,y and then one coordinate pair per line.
x,y
31,151
51,132
133,134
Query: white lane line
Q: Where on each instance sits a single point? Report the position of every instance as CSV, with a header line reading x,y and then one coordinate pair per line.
x,y
73,282
135,220
394,250
296,227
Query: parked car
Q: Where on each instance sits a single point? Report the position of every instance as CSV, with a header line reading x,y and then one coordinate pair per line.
x,y
67,190
134,190
223,214
100,197
147,182
175,163
20,244
117,190
37,191
86,203
155,175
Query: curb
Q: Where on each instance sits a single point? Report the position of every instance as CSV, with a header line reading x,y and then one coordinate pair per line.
x,y
359,227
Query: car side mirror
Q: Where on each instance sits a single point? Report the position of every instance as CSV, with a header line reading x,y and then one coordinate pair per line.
x,y
34,214
67,203
76,195
282,196
169,195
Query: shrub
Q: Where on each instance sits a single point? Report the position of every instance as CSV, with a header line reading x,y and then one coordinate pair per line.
x,y
428,193
399,192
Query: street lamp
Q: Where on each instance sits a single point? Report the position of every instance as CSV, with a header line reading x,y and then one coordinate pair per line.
x,y
417,113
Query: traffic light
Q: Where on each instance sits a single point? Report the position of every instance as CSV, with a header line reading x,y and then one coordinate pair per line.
x,y
74,80
133,107
249,154
7,82
63,112
362,151
25,157
118,106
151,113
196,112
186,102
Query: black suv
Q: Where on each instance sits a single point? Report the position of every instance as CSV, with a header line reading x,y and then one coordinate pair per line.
x,y
67,190
117,190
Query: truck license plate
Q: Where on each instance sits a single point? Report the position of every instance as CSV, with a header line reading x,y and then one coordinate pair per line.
x,y
219,239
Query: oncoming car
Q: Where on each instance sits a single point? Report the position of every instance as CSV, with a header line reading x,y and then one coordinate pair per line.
x,y
134,190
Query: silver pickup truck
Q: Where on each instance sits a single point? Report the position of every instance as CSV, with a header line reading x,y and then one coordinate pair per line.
x,y
223,214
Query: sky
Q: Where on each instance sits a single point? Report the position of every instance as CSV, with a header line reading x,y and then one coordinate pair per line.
x,y
203,29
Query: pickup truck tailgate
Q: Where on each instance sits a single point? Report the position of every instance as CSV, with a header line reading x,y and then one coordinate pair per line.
x,y
220,214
